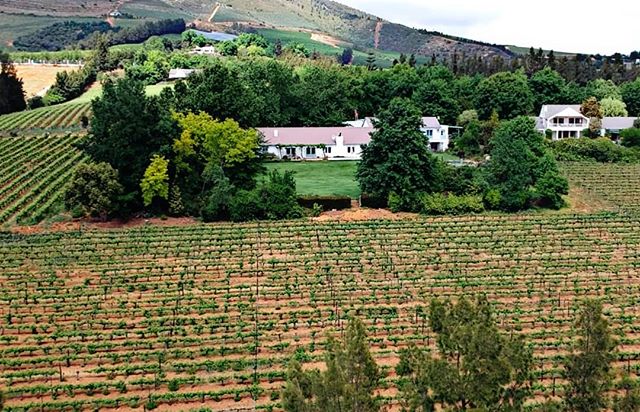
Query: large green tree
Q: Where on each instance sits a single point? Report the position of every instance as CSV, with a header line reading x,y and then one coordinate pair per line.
x,y
613,107
507,93
477,367
95,189
398,158
127,129
518,163
548,87
588,367
347,384
631,96
11,89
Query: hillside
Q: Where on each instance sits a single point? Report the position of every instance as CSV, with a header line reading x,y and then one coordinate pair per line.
x,y
361,29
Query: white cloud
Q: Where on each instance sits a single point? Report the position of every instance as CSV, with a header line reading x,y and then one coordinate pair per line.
x,y
584,27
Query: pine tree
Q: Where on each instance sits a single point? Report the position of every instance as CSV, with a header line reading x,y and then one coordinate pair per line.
x,y
348,383
588,368
11,87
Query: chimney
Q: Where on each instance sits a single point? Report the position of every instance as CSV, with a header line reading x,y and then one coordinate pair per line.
x,y
275,133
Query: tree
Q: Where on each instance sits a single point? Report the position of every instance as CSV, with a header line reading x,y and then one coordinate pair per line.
x,y
591,108
467,117
631,96
127,129
437,98
630,137
371,61
548,87
518,161
471,140
94,188
11,88
398,159
613,107
588,367
348,383
601,89
347,56
155,183
630,401
507,93
477,367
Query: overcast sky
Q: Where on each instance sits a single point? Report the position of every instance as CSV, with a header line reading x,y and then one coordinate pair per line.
x,y
572,26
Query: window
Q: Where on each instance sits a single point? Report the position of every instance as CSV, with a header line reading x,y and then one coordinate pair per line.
x,y
327,150
311,151
290,151
351,149
429,133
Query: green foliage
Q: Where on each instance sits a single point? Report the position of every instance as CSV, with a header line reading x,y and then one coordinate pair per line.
x,y
630,137
347,384
470,143
59,36
631,96
94,188
273,199
588,367
601,149
155,183
70,84
297,49
398,158
505,92
548,87
477,367
613,107
127,129
449,204
466,117
11,88
602,89
518,161
630,401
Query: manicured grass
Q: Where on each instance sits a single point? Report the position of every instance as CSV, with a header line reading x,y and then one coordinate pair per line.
x,y
325,178
322,178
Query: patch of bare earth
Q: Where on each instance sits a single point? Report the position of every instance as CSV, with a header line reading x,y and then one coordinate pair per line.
x,y
37,79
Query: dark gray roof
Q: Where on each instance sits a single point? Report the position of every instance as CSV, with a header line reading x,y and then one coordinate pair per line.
x,y
618,123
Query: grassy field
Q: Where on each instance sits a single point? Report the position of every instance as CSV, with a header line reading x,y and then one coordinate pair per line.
x,y
322,178
325,178
37,79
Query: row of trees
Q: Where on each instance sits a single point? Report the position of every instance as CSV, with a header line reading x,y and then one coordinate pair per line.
x,y
316,95
397,165
476,367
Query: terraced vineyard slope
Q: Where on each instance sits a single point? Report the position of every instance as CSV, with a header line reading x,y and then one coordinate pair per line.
x,y
618,184
63,116
34,171
182,318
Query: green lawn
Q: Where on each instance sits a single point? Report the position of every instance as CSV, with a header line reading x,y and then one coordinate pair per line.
x,y
325,178
322,178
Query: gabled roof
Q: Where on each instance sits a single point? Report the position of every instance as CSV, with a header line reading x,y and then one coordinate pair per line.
x,y
315,135
618,123
550,110
568,112
431,122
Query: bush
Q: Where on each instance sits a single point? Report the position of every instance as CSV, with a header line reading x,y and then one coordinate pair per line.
x,y
326,202
442,204
630,137
549,189
245,206
372,201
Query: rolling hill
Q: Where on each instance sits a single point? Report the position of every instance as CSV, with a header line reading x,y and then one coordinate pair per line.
x,y
343,23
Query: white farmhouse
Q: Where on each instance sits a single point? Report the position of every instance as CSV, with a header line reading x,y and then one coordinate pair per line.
x,y
564,120
309,143
437,134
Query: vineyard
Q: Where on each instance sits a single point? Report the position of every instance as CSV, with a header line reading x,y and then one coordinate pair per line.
x,y
179,318
33,174
64,116
618,184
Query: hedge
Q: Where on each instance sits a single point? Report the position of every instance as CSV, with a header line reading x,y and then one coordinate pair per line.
x,y
373,202
327,202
